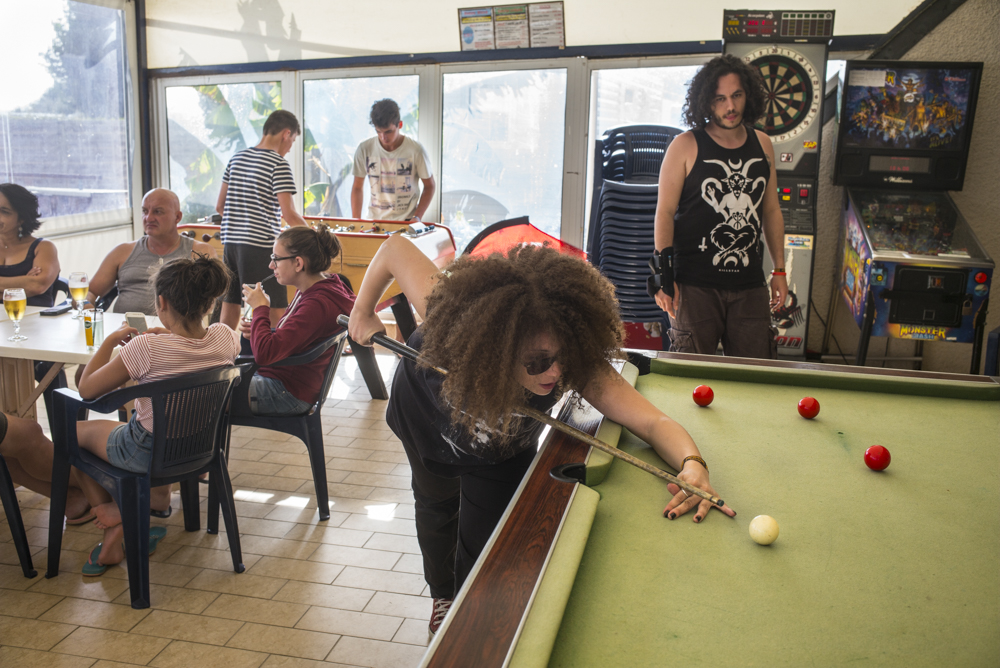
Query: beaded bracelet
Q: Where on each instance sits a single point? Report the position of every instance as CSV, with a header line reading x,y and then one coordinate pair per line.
x,y
694,458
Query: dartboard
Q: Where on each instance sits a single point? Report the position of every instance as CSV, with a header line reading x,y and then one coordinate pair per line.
x,y
793,91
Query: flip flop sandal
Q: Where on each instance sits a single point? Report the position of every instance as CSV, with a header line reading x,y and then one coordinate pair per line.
x,y
92,569
162,514
156,534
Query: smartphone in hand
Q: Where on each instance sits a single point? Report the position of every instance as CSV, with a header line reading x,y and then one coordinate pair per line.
x,y
136,320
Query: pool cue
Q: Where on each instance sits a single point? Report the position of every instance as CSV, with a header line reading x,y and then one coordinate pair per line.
x,y
411,354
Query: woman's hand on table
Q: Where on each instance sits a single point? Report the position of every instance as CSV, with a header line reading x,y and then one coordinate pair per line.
x,y
363,326
695,475
254,296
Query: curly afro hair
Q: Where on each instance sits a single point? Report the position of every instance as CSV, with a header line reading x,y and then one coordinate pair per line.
x,y
701,91
485,311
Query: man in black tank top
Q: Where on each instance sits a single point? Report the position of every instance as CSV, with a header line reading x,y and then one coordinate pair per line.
x,y
717,208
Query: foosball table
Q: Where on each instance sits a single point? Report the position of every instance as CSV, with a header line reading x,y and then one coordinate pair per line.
x,y
359,240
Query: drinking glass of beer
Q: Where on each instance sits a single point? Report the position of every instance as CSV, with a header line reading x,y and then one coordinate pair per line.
x,y
79,284
15,303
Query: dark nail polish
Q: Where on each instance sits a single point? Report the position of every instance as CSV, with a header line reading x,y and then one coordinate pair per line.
x,y
697,518
671,516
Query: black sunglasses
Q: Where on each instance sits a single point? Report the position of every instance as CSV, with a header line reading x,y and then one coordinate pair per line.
x,y
539,365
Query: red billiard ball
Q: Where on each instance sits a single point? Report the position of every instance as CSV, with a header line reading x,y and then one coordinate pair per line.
x,y
877,458
703,395
808,408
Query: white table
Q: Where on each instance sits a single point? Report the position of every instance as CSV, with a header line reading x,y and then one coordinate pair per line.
x,y
58,339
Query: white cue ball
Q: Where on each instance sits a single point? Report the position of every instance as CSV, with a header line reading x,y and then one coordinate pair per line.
x,y
764,530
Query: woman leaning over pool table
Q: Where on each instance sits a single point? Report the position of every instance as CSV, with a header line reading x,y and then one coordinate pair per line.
x,y
518,329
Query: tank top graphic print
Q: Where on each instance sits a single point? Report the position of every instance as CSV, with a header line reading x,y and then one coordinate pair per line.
x,y
718,239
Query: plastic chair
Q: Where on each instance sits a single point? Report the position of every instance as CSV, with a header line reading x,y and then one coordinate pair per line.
x,y
104,303
190,431
306,427
14,521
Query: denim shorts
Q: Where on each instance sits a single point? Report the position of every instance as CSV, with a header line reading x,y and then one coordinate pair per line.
x,y
130,446
268,396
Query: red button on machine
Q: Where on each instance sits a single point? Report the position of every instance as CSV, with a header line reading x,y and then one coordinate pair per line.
x,y
981,277
803,192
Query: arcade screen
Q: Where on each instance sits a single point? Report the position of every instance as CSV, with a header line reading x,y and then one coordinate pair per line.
x,y
917,223
918,106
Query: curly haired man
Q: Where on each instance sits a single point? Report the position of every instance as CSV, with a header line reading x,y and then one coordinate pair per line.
x,y
717,209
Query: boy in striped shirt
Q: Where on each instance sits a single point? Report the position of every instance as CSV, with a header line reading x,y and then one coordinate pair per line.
x,y
256,194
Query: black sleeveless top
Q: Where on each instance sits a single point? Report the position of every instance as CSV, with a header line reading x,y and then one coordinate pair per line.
x,y
718,239
419,416
46,298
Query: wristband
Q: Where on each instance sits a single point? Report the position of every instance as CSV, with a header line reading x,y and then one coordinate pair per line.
x,y
662,266
695,458
777,272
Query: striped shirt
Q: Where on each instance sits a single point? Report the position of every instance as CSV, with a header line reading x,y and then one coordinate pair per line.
x,y
158,356
251,214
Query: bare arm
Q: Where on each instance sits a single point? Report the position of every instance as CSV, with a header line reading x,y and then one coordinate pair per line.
x,y
773,224
425,198
397,259
676,165
208,250
107,274
103,374
45,270
621,403
288,212
220,205
357,195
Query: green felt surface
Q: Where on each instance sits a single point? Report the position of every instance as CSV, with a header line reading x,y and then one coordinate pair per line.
x,y
900,568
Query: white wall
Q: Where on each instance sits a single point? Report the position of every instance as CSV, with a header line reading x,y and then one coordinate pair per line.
x,y
196,32
968,34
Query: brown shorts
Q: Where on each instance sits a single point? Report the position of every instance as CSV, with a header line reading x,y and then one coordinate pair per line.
x,y
740,319
250,264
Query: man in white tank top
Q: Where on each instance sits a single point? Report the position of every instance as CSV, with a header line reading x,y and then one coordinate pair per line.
x,y
130,265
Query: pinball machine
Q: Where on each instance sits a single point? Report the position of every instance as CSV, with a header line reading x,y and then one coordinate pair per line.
x,y
912,268
790,49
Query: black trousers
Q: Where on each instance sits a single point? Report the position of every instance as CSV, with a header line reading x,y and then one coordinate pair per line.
x,y
457,509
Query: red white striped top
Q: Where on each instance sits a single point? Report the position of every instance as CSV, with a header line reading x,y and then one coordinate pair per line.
x,y
158,356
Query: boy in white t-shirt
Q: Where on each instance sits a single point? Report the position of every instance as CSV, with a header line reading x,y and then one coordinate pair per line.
x,y
395,167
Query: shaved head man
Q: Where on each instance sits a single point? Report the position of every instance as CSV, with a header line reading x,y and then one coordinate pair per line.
x,y
129,265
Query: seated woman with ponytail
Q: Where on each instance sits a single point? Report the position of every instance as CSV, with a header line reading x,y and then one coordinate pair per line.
x,y
301,255
185,290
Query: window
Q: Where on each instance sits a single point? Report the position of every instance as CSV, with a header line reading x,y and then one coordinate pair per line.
x,y
206,126
64,113
336,113
502,149
640,96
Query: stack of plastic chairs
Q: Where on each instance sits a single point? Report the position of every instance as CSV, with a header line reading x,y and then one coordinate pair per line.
x,y
620,242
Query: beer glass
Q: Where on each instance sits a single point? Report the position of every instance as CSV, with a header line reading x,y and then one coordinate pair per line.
x,y
79,284
15,303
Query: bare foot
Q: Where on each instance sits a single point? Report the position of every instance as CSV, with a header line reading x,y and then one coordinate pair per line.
x,y
108,517
111,548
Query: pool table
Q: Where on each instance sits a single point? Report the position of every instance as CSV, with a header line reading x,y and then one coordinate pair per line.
x,y
897,568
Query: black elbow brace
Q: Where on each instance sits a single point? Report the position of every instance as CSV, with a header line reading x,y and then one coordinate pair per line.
x,y
662,266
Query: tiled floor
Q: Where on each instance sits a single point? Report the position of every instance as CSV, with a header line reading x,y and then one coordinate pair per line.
x,y
347,592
